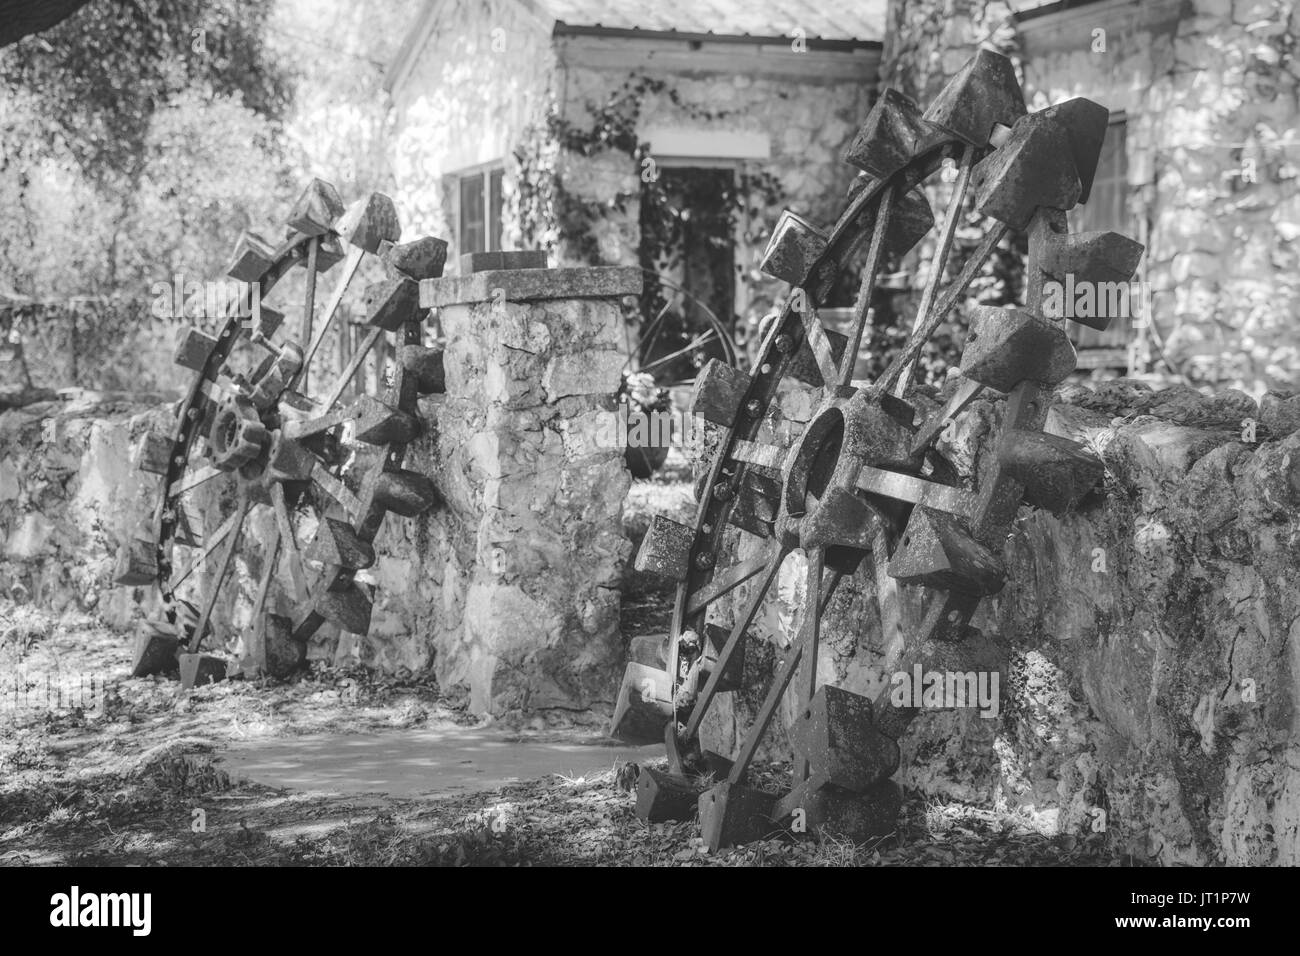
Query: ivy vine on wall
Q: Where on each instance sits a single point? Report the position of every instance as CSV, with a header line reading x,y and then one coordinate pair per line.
x,y
550,217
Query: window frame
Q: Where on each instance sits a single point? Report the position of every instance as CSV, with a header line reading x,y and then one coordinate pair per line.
x,y
492,173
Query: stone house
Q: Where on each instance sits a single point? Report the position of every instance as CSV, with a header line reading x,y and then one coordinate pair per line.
x,y
517,110
544,122
1200,162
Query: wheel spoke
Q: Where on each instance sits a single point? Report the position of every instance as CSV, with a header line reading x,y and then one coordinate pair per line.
x,y
335,488
756,453
918,491
821,347
209,546
258,618
241,512
965,394
284,524
816,564
867,288
895,373
940,261
350,265
308,307
733,642
194,479
773,699
358,357
726,582
887,591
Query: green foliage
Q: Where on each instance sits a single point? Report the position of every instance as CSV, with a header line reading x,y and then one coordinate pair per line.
x,y
98,78
136,139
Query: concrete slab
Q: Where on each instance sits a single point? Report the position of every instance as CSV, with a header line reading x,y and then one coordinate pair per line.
x,y
433,761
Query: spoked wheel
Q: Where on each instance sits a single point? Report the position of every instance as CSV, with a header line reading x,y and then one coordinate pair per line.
x,y
651,373
260,443
864,483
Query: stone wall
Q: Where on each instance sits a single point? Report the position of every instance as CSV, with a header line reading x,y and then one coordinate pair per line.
x,y
1145,644
1210,97
69,493
510,590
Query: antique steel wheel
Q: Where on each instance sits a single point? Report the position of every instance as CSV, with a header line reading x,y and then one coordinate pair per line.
x,y
264,440
864,482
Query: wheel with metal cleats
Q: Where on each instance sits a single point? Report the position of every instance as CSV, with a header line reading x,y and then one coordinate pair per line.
x,y
864,484
274,439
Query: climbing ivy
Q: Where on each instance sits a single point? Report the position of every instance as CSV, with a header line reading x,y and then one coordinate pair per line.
x,y
550,217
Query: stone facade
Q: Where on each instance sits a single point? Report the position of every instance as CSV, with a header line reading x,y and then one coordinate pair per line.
x,y
1208,90
485,71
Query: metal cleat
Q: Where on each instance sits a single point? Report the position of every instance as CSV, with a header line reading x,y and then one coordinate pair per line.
x,y
406,493
289,460
1085,124
732,813
391,303
889,135
757,502
878,430
794,250
368,222
841,519
983,94
137,563
1100,264
156,645
719,392
337,543
1009,346
349,608
426,365
938,552
282,655
817,807
1033,170
316,210
200,669
378,423
1055,471
193,348
154,454
253,257
838,737
422,259
644,705
661,797
666,549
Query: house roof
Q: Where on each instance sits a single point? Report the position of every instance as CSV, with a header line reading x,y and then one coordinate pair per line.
x,y
819,19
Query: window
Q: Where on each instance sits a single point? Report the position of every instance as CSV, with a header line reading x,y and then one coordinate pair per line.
x,y
478,218
1107,205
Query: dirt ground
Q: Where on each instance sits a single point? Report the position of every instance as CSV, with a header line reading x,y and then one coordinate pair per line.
x,y
124,773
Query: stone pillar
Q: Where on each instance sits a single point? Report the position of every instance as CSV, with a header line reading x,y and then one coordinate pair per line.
x,y
526,555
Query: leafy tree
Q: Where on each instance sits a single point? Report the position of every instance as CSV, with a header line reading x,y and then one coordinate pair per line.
x,y
136,137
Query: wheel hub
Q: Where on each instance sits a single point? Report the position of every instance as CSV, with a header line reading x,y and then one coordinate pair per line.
x,y
237,436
